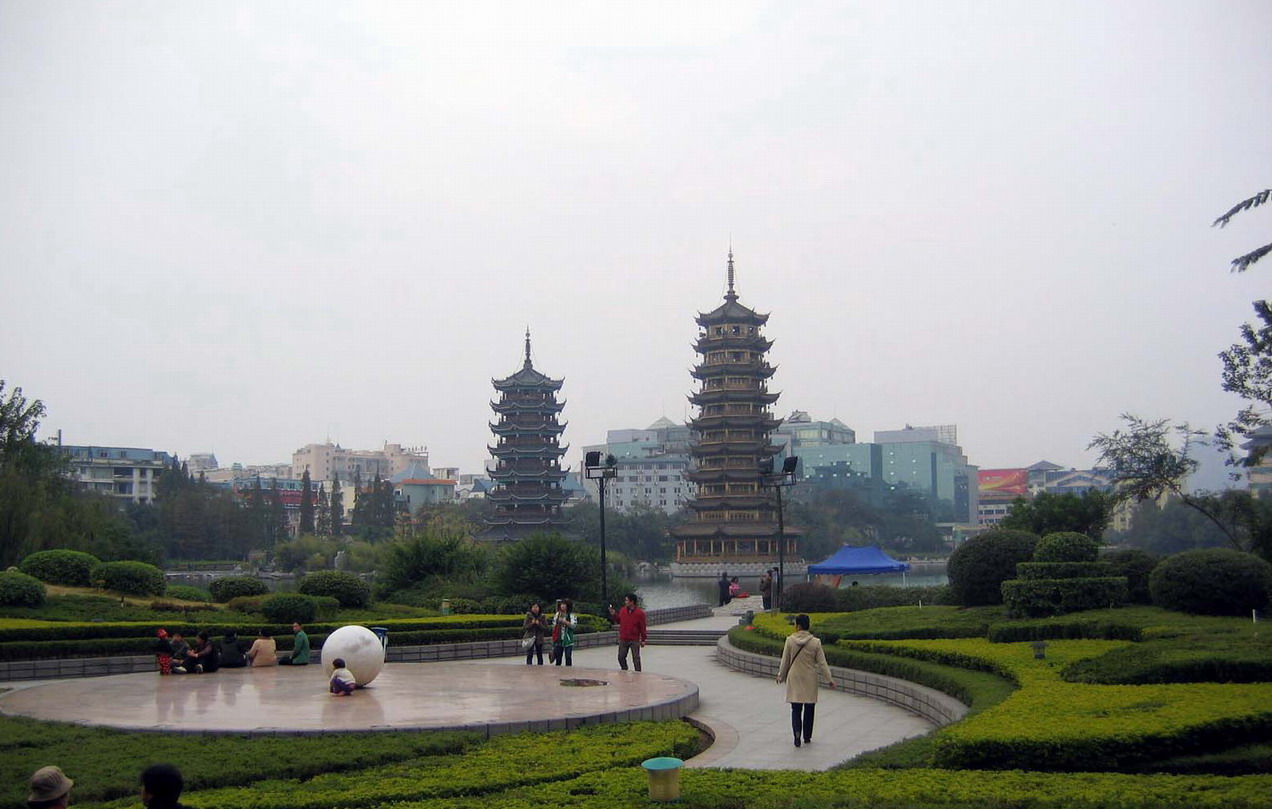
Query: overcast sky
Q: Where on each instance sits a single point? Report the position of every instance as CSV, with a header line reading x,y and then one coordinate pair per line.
x,y
244,227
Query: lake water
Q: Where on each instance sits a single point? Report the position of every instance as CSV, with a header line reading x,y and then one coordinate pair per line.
x,y
660,592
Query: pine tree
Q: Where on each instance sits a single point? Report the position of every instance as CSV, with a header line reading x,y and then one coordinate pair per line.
x,y
337,507
306,504
322,525
278,527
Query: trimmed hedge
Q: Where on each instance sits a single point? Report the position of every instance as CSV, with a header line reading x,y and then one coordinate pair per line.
x,y
132,578
1066,546
809,597
1064,570
1064,628
185,592
1038,598
17,589
227,588
71,568
1215,581
1199,661
284,608
346,588
1136,566
978,567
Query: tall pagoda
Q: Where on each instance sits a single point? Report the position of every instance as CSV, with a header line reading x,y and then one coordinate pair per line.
x,y
734,524
527,472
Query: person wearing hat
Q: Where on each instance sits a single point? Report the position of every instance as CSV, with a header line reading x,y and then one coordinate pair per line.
x,y
50,789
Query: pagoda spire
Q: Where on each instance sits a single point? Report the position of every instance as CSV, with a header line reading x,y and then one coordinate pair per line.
x,y
528,363
731,295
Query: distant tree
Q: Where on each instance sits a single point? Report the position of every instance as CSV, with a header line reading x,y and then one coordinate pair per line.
x,y
1243,263
279,530
322,526
1247,372
1087,513
258,511
548,566
431,554
306,504
337,507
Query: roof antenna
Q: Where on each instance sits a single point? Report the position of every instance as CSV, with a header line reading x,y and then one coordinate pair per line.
x,y
731,294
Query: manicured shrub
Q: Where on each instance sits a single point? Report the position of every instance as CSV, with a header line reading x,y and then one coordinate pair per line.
x,y
71,568
245,603
17,589
978,567
1066,546
228,587
808,597
1038,598
1064,570
283,608
869,597
132,578
185,592
326,608
1215,581
348,589
1136,566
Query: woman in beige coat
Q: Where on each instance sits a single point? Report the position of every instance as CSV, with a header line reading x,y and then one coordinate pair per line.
x,y
802,661
264,651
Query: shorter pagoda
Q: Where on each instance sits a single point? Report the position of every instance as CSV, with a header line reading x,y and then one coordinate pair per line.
x,y
527,470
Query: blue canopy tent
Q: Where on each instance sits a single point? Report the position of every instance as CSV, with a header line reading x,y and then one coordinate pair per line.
x,y
852,561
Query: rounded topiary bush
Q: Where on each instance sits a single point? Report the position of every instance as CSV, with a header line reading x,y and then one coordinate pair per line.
x,y
71,568
132,578
228,587
1136,566
1066,546
346,588
978,567
17,589
283,608
809,597
1215,581
187,593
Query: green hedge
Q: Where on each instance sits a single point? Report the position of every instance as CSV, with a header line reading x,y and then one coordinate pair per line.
x,y
1063,570
185,592
1066,546
71,568
227,588
1038,598
1074,627
346,588
17,589
1201,660
132,578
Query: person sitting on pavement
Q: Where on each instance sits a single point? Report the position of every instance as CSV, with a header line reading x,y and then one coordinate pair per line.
x,y
231,652
163,652
342,680
300,649
49,789
180,653
161,786
204,658
264,651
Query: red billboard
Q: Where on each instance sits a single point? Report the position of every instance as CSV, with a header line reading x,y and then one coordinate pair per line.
x,y
1003,481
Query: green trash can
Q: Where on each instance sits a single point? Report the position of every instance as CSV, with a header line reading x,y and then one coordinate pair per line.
x,y
664,777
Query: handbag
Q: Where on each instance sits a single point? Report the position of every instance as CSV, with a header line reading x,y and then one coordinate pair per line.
x,y
527,642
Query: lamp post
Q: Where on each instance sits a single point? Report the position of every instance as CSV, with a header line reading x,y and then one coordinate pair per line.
x,y
777,481
602,474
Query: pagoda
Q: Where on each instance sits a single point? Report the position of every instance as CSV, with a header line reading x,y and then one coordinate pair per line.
x,y
734,524
527,472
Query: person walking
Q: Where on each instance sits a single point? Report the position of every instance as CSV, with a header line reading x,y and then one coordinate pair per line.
x,y
563,624
803,659
533,628
632,631
723,585
766,589
300,649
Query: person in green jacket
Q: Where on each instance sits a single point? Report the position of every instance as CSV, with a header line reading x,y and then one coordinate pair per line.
x,y
300,650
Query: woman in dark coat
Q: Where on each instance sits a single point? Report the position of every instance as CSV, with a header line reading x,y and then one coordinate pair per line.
x,y
231,652
535,627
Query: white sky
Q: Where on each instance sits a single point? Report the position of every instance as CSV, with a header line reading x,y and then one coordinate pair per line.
x,y
244,227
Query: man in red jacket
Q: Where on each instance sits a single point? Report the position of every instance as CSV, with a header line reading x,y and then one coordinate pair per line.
x,y
632,632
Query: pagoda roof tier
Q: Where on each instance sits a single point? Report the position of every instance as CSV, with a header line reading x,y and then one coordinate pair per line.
x,y
722,475
513,406
733,530
513,428
725,395
550,475
748,447
731,312
544,451
528,378
714,342
505,496
745,501
755,421
751,368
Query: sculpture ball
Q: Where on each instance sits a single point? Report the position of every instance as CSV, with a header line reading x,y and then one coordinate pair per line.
x,y
360,649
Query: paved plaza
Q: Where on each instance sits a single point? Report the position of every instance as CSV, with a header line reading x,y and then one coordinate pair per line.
x,y
746,714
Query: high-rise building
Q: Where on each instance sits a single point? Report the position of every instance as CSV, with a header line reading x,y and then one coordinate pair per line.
x,y
327,461
527,456
652,465
734,524
126,474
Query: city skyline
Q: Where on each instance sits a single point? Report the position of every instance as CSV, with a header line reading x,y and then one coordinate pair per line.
x,y
245,228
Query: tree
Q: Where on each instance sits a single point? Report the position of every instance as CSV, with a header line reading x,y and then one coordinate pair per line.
x,y
1247,372
431,554
1243,263
322,526
549,567
337,507
306,504
278,525
1087,513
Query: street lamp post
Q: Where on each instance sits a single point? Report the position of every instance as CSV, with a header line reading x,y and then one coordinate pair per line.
x,y
777,481
602,474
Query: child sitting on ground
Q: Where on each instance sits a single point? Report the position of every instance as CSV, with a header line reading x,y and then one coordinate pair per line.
x,y
342,680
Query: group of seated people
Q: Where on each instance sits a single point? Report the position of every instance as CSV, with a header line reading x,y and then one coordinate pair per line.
x,y
161,786
204,655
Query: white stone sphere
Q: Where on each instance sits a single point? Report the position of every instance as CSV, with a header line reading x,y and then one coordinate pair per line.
x,y
360,649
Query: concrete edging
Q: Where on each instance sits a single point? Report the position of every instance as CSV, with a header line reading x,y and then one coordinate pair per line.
x,y
935,706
